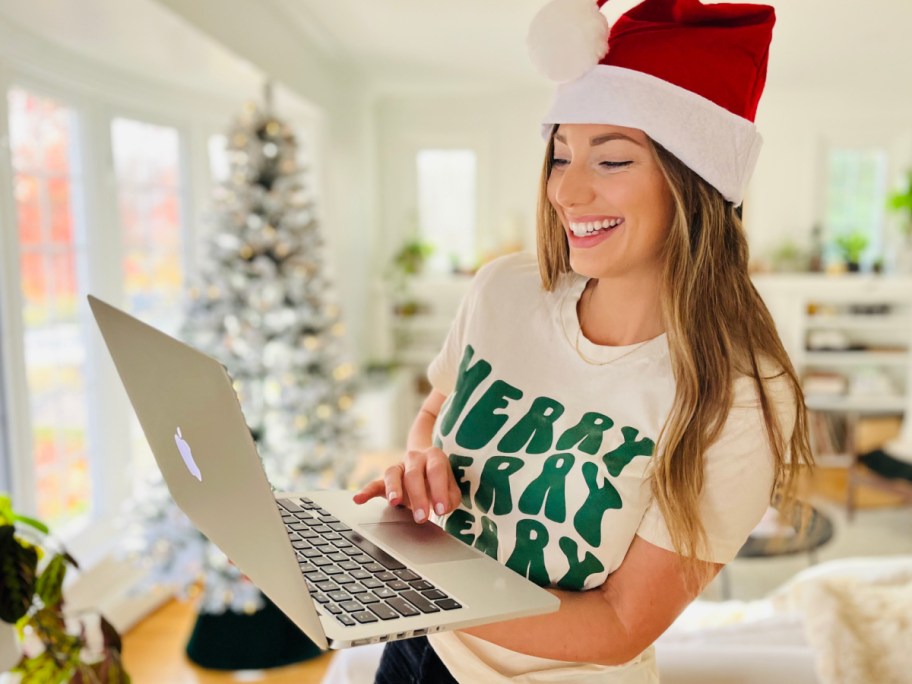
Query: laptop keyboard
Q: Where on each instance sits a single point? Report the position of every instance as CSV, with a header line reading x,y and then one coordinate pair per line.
x,y
351,578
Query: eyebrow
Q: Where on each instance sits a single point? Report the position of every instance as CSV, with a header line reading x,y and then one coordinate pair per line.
x,y
598,140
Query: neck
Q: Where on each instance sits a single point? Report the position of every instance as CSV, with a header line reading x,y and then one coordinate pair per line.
x,y
621,311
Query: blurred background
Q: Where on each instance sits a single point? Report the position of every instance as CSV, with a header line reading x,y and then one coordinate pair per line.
x,y
413,130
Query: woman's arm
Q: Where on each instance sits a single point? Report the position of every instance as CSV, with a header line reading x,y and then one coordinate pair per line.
x,y
611,624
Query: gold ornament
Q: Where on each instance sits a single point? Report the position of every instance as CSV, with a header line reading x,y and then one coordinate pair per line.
x,y
324,411
345,402
311,342
338,329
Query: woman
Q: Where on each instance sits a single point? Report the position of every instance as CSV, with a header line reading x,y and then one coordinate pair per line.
x,y
612,418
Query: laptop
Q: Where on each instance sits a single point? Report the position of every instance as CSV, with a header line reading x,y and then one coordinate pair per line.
x,y
345,574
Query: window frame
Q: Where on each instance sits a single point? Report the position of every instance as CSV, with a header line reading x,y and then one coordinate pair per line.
x,y
93,536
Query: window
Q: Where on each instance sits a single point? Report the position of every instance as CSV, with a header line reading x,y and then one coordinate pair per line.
x,y
855,196
446,207
147,167
47,188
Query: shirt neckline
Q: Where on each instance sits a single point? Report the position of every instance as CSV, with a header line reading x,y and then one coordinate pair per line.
x,y
598,353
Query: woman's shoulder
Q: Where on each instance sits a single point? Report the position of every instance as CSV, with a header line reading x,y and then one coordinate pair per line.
x,y
517,269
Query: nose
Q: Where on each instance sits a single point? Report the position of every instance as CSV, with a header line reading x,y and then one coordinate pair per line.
x,y
573,186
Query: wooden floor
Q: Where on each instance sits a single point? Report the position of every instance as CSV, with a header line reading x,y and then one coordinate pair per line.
x,y
154,654
154,649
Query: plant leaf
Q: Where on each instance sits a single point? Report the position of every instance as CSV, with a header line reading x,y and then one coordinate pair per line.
x,y
42,669
49,585
37,524
17,575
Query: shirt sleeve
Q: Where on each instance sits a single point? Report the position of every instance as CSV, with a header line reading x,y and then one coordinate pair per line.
x,y
739,474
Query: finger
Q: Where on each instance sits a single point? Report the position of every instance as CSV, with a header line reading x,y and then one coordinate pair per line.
x,y
415,481
455,495
439,476
370,491
393,486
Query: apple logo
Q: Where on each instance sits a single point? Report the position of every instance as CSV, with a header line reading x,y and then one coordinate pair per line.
x,y
185,452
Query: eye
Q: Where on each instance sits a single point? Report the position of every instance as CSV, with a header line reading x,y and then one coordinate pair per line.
x,y
615,165
559,162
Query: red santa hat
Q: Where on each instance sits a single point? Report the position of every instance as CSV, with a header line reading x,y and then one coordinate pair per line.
x,y
687,74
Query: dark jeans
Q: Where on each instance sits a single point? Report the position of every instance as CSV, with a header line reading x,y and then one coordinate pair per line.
x,y
411,661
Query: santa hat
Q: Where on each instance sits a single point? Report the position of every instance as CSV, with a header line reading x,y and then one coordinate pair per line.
x,y
687,74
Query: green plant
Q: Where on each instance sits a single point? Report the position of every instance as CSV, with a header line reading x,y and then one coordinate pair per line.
x,y
32,569
851,245
410,258
901,201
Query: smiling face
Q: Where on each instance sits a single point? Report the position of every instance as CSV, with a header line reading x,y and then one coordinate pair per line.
x,y
612,200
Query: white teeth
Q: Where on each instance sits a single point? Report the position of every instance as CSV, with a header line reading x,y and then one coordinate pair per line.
x,y
587,228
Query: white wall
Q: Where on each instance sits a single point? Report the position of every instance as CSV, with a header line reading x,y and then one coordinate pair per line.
x,y
784,199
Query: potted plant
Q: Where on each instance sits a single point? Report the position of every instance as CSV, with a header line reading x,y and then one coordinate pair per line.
x,y
408,262
54,645
851,245
900,201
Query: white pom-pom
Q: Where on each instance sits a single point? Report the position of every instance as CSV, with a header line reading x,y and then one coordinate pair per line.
x,y
567,38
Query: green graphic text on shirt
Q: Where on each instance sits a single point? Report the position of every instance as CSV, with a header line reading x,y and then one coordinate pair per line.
x,y
532,442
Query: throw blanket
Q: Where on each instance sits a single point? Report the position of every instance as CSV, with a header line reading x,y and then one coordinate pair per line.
x,y
861,631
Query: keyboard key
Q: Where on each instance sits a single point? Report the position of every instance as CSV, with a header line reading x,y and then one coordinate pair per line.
x,y
373,551
362,558
386,576
407,575
333,537
349,565
301,545
327,518
351,606
360,574
373,583
320,528
321,562
288,518
364,616
345,620
383,611
418,600
403,607
398,585
339,527
434,594
338,557
421,585
384,592
329,585
343,545
317,577
374,567
343,578
297,527
339,596
332,570
350,550
311,552
448,604
307,534
308,568
322,598
289,505
367,598
355,588
333,608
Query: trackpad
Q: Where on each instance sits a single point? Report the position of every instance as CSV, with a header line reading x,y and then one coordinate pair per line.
x,y
425,543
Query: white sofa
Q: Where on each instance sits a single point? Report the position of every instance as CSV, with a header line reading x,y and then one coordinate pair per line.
x,y
727,642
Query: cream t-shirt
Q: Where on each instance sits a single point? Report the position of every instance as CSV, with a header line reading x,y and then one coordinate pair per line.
x,y
553,455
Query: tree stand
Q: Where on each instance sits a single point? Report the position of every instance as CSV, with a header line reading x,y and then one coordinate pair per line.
x,y
237,641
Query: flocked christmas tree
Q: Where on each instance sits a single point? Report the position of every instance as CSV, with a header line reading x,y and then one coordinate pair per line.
x,y
262,305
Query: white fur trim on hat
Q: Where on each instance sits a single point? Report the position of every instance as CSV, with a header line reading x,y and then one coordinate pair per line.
x,y
567,38
721,147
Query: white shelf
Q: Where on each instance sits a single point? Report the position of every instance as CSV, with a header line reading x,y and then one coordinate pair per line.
x,y
855,358
857,404
859,322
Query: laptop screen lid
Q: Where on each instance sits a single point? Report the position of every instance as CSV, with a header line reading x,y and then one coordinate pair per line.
x,y
192,419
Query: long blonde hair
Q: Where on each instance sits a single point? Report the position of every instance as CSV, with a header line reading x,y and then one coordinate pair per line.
x,y
718,328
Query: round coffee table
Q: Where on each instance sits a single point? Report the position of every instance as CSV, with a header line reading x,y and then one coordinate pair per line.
x,y
781,538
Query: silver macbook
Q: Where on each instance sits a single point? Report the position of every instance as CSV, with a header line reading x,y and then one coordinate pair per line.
x,y
345,574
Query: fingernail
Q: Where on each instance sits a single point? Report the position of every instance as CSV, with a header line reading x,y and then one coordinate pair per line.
x,y
419,515
393,496
439,508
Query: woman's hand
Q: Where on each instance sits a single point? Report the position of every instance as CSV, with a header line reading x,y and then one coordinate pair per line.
x,y
423,480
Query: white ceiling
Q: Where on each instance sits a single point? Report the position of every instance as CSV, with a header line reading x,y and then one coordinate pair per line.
x,y
828,43
855,47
